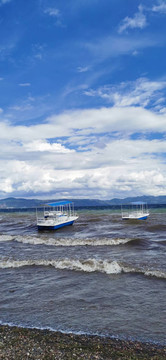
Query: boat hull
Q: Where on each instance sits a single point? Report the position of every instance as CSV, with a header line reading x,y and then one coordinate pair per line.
x,y
135,218
55,227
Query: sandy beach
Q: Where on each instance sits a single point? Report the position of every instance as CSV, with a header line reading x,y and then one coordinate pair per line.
x,y
20,343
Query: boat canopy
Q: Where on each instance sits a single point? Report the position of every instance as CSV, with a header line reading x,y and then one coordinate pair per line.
x,y
138,203
59,203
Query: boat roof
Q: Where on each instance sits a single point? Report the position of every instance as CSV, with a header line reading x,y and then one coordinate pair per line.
x,y
138,203
58,203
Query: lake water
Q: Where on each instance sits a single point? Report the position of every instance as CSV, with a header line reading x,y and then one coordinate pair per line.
x,y
100,276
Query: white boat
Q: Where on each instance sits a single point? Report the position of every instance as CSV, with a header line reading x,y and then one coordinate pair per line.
x,y
55,215
135,211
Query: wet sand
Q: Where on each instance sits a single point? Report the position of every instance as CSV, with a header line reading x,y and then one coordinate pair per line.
x,y
19,344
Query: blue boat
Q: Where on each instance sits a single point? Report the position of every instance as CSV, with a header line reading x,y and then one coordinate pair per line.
x,y
135,211
53,216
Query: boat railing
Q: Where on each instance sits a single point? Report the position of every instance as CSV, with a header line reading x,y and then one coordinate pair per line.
x,y
55,213
134,210
50,214
125,213
49,220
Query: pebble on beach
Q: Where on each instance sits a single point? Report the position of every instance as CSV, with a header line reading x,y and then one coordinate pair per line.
x,y
20,343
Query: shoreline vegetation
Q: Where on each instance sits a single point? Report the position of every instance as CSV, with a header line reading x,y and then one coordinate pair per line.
x,y
24,343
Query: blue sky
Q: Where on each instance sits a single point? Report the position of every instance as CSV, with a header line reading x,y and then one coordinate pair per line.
x,y
82,98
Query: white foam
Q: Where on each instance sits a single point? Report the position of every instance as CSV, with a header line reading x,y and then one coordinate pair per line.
x,y
156,273
4,238
86,265
89,265
35,240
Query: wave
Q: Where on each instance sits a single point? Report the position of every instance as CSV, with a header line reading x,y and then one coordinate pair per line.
x,y
32,240
4,238
89,265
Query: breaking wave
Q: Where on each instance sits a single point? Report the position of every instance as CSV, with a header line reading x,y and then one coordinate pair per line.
x,y
65,241
88,266
4,238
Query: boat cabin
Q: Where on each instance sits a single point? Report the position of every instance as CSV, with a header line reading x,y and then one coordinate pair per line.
x,y
55,215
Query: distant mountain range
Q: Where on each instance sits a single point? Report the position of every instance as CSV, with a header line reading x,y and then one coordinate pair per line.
x,y
26,203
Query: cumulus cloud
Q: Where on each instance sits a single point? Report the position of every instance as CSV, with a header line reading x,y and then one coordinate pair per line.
x,y
39,145
106,181
149,182
137,21
88,122
98,152
6,185
100,166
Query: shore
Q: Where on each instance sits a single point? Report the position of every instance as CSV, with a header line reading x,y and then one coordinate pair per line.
x,y
20,343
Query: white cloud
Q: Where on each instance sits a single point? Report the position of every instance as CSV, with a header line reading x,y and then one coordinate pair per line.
x,y
87,122
22,108
138,21
120,178
39,145
149,182
56,15
141,92
6,185
91,152
161,7
83,69
52,12
25,84
113,46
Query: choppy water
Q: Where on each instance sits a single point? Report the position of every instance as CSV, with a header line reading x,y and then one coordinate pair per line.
x,y
100,276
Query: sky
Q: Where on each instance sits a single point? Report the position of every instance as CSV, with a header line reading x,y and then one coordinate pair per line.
x,y
82,98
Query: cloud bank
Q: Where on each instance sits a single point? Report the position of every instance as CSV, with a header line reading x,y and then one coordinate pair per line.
x,y
99,153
